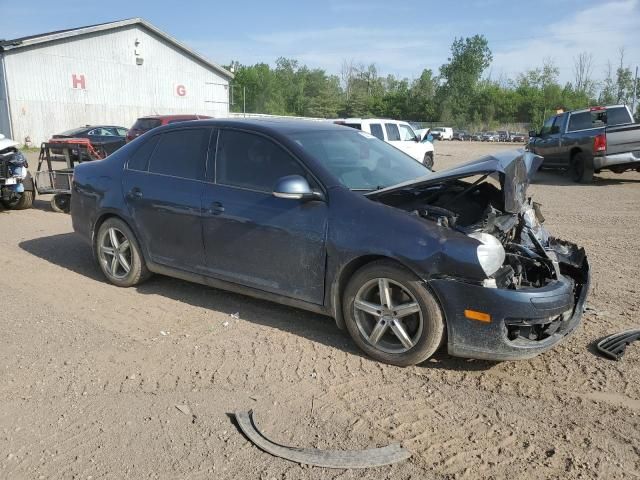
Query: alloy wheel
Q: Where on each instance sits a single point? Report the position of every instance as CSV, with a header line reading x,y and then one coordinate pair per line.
x,y
388,315
114,250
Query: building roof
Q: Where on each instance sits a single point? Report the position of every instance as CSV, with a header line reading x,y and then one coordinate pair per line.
x,y
31,40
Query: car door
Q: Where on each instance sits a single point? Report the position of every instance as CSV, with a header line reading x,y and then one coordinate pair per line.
x,y
253,238
163,184
409,144
543,143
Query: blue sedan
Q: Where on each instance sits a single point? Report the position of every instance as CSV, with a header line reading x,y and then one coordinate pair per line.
x,y
332,220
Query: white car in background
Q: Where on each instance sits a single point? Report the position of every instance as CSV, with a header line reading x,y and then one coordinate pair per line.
x,y
442,133
399,134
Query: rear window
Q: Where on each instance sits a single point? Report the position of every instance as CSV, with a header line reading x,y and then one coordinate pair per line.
x,y
73,131
140,158
586,120
146,124
618,116
376,130
184,119
357,126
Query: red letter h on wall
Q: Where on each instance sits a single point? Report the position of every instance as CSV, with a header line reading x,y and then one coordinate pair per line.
x,y
78,81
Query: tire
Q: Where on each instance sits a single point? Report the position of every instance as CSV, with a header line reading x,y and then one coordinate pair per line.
x,y
23,202
366,316
61,203
581,168
114,265
428,159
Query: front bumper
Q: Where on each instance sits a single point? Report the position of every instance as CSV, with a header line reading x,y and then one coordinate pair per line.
x,y
562,300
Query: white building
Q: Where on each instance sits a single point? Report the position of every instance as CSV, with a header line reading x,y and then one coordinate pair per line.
x,y
110,73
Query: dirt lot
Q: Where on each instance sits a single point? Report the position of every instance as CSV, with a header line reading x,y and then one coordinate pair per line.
x,y
91,374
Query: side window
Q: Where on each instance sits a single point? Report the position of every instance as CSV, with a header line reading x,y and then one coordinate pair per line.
x,y
251,161
181,153
580,121
140,158
376,130
406,133
393,134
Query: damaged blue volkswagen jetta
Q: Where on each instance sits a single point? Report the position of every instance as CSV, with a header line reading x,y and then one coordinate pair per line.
x,y
332,220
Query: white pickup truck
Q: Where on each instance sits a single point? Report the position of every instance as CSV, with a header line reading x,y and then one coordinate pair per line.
x,y
397,133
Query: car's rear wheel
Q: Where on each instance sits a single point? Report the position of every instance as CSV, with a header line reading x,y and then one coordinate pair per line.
x,y
119,254
391,315
20,201
61,203
581,168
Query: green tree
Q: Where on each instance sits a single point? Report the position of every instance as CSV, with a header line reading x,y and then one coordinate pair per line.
x,y
470,57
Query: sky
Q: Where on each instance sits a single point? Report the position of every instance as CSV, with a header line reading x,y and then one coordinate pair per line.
x,y
400,38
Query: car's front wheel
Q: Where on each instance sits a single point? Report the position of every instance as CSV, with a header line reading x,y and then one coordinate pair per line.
x,y
428,159
391,315
119,254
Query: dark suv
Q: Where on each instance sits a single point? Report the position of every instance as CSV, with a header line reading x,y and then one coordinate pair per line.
x,y
144,124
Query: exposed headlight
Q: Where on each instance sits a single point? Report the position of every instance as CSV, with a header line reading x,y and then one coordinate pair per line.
x,y
490,252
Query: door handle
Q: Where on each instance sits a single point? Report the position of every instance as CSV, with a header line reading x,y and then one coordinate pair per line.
x,y
135,193
216,208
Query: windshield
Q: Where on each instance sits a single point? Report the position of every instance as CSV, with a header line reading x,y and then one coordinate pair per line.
x,y
358,160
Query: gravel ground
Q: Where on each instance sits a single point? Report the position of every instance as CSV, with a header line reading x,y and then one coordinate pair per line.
x,y
91,374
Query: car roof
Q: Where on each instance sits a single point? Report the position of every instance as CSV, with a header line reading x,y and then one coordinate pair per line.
x,y
266,125
163,117
360,120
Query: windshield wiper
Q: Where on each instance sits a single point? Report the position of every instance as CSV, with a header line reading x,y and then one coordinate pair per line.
x,y
379,187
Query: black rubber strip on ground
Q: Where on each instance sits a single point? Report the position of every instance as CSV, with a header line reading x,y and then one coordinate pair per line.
x,y
614,345
373,457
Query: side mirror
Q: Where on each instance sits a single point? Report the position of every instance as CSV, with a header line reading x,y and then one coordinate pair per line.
x,y
533,134
295,187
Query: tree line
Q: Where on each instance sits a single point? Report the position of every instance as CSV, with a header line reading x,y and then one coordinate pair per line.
x,y
460,94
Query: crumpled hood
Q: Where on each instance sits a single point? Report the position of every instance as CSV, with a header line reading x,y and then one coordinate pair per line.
x,y
515,169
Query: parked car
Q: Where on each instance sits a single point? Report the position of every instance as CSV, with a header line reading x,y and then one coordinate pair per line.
x,y
107,137
477,137
504,136
518,137
397,133
490,137
144,124
461,135
444,133
588,141
335,221
16,185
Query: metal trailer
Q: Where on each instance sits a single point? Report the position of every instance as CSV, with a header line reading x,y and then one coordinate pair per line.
x,y
58,182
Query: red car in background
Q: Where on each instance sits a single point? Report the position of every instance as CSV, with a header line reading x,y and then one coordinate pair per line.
x,y
144,124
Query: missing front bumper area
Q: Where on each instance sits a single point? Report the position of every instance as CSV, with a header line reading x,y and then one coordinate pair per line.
x,y
535,330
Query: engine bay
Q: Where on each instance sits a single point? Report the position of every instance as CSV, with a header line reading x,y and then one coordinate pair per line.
x,y
476,205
